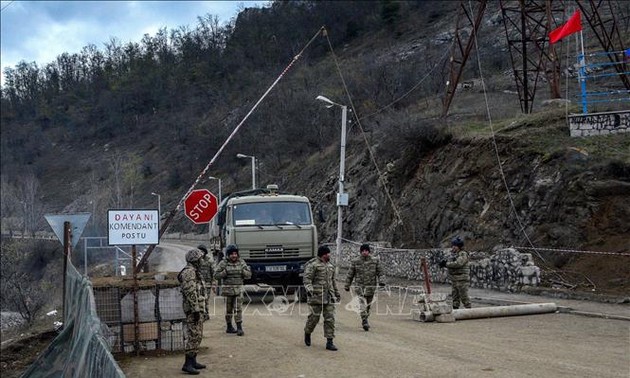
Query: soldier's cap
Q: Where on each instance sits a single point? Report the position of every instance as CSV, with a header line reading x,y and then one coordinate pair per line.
x,y
203,249
193,255
321,251
231,248
365,247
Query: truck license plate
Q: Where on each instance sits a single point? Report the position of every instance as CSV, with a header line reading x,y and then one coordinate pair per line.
x,y
275,268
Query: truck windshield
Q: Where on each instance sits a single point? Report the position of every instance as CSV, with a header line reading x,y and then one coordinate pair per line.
x,y
272,213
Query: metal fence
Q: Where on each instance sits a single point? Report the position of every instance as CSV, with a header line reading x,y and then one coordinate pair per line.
x,y
600,73
150,317
81,349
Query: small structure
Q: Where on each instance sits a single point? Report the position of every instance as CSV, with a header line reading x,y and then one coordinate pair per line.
x,y
161,322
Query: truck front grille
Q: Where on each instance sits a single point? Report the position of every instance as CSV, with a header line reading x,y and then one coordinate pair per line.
x,y
265,254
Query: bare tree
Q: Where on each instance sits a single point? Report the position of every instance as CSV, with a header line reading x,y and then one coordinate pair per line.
x,y
20,291
125,178
28,196
116,165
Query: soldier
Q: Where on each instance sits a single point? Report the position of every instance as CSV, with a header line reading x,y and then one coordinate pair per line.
x,y
321,288
367,273
194,303
458,273
233,271
207,272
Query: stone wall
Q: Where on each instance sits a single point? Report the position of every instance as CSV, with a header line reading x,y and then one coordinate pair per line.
x,y
599,123
504,269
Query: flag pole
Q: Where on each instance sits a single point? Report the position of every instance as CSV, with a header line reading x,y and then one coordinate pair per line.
x,y
583,74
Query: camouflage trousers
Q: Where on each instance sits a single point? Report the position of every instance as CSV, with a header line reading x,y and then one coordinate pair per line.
x,y
366,303
234,306
194,333
329,319
460,294
206,315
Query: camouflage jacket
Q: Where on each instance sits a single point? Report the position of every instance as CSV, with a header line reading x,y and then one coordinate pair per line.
x,y
320,283
366,272
233,275
458,267
206,269
193,289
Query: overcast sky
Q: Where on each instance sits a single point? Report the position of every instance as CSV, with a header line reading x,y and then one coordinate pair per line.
x,y
39,31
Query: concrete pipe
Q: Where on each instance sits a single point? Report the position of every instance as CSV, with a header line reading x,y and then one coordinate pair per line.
x,y
426,316
493,312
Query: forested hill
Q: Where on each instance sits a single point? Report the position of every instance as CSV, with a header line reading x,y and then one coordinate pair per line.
x,y
106,127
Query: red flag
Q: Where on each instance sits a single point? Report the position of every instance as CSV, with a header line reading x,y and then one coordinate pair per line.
x,y
572,26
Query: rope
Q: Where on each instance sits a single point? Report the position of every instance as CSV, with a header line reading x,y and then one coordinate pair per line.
x,y
435,66
229,138
576,251
496,148
369,148
387,249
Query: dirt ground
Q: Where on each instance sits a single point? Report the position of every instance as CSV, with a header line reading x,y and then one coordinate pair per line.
x,y
549,345
17,356
557,344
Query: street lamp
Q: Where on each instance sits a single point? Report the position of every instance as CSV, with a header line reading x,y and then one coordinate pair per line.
x,y
342,198
210,223
241,156
218,179
159,204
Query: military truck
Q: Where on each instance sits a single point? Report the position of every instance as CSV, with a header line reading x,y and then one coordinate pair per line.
x,y
275,234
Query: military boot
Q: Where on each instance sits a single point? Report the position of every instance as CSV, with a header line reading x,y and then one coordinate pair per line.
x,y
366,325
239,329
230,328
188,365
307,339
330,345
196,364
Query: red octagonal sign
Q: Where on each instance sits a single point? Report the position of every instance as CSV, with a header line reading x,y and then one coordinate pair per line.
x,y
200,206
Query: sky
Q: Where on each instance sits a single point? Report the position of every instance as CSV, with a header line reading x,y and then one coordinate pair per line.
x,y
39,31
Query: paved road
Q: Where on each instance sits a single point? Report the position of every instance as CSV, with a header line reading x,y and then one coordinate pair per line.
x,y
547,345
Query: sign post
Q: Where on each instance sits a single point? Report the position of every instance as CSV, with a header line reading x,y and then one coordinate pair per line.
x,y
65,226
201,206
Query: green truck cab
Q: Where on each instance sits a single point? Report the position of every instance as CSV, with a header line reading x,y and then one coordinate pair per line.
x,y
275,233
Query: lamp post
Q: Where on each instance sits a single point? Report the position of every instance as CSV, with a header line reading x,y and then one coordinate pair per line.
x,y
342,198
218,179
210,223
241,156
159,205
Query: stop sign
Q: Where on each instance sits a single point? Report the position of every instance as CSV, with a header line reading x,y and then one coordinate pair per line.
x,y
200,206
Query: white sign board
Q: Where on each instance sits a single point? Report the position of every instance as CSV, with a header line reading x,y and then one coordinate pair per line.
x,y
133,227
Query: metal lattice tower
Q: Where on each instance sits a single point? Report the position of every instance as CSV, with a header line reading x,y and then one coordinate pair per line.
x,y
527,28
607,31
470,19
527,25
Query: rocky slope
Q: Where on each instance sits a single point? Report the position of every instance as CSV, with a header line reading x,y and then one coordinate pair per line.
x,y
549,191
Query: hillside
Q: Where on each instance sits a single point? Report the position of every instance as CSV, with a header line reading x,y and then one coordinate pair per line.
x,y
152,126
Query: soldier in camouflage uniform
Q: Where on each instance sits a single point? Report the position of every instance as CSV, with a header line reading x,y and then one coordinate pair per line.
x,y
233,271
366,272
321,288
458,273
207,272
194,302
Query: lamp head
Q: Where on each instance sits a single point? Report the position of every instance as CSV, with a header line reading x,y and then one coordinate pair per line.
x,y
326,100
240,156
